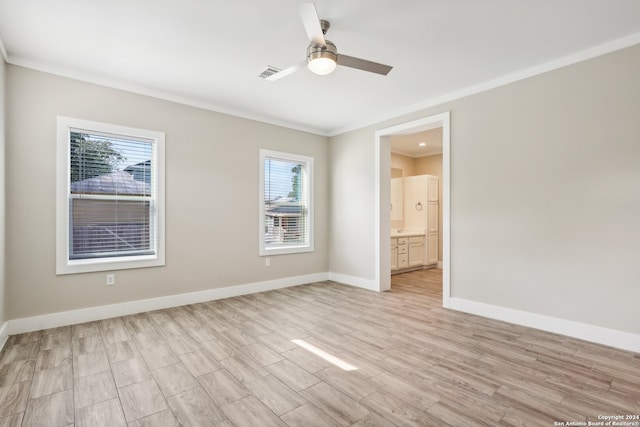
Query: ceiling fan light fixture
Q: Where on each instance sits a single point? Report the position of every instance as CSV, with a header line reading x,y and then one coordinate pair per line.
x,y
322,60
322,66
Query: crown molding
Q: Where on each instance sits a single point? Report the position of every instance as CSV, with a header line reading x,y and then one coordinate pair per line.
x,y
126,86
562,62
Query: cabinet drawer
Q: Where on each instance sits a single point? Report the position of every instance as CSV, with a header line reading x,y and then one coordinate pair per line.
x,y
403,241
403,249
416,239
403,261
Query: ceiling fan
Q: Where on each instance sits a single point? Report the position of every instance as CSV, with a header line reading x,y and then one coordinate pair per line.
x,y
322,55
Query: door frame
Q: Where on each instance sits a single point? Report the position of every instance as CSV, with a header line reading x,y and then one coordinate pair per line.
x,y
382,220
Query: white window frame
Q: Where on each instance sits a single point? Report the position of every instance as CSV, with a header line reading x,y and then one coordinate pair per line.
x,y
64,265
309,223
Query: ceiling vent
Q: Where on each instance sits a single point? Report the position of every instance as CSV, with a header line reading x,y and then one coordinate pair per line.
x,y
269,71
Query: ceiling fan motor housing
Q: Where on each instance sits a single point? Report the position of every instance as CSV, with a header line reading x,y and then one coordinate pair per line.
x,y
329,50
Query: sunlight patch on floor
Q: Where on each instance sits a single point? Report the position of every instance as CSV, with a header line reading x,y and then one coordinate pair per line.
x,y
326,356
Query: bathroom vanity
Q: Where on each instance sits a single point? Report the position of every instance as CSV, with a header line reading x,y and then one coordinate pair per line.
x,y
415,246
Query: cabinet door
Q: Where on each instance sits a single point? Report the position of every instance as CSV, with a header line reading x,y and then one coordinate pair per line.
x,y
416,254
415,201
433,182
394,258
432,249
432,218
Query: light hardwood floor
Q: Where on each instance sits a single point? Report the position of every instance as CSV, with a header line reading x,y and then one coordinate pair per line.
x,y
234,362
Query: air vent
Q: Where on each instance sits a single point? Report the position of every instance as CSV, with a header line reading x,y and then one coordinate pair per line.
x,y
268,72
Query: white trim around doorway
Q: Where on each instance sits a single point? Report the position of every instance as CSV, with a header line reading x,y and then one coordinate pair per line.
x,y
382,176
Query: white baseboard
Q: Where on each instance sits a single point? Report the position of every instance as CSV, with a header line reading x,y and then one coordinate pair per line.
x,y
4,334
596,334
358,282
53,320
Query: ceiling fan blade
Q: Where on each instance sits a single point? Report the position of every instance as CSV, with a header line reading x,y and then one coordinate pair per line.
x,y
311,22
363,64
284,73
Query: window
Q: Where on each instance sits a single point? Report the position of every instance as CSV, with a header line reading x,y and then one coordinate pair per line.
x,y
286,197
110,204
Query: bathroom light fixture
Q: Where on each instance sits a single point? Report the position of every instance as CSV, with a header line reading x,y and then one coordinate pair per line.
x,y
322,59
422,144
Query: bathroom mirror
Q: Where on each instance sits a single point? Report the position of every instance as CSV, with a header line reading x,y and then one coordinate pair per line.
x,y
396,194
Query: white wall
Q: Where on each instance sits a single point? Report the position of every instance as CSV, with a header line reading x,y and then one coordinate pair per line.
x,y
3,318
351,237
211,197
545,194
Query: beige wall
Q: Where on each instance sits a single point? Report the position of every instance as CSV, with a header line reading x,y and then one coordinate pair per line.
x,y
407,164
430,165
211,196
2,194
545,193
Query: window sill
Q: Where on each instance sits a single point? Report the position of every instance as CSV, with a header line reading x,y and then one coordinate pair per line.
x,y
108,264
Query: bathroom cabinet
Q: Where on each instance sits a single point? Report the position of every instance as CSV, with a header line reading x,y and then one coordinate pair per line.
x,y
403,252
394,254
421,206
415,246
407,252
416,251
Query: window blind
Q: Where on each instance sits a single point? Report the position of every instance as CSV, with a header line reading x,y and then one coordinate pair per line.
x,y
112,196
286,202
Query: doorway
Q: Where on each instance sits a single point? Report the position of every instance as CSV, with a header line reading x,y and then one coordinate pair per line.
x,y
383,196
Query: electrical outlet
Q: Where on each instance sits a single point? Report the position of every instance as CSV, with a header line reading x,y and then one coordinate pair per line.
x,y
111,279
267,262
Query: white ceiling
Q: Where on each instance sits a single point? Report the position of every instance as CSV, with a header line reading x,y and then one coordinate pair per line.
x,y
209,52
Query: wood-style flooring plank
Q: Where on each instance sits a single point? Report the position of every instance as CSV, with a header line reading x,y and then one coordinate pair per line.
x,y
12,420
103,414
14,398
160,419
16,372
309,416
237,362
340,407
194,408
93,389
141,399
174,379
275,395
52,410
249,411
